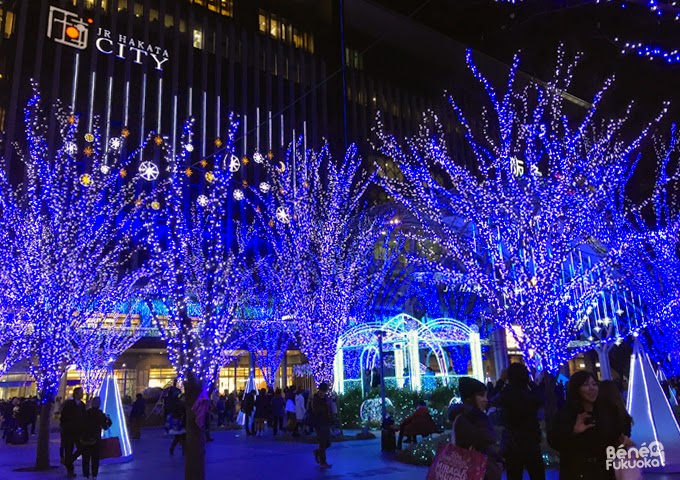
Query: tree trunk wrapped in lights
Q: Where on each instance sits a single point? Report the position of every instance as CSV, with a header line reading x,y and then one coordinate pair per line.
x,y
520,219
331,252
67,245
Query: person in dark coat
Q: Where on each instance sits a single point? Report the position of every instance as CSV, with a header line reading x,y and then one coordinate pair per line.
x,y
71,421
418,423
94,421
579,432
262,411
520,401
321,411
247,407
473,429
278,406
137,415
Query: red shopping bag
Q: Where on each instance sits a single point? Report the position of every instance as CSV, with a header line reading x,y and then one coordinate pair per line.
x,y
453,462
110,448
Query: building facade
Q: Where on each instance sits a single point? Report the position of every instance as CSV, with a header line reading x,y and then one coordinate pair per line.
x,y
312,69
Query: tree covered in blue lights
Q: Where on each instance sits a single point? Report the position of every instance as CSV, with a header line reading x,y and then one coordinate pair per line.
x,y
521,213
199,278
331,252
67,248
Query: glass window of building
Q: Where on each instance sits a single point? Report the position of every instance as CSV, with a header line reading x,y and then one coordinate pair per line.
x,y
223,7
161,377
280,29
354,59
198,39
9,20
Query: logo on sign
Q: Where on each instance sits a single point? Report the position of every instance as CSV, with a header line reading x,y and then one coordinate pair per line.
x,y
67,28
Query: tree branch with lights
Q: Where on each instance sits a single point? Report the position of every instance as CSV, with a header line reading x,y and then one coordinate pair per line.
x,y
67,244
520,217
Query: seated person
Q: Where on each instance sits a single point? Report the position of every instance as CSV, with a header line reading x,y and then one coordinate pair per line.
x,y
418,423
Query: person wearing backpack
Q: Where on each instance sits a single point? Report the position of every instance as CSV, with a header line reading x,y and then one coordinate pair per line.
x,y
94,421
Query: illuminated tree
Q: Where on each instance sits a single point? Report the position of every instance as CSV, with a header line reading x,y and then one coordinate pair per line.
x,y
66,245
331,252
199,279
519,218
100,341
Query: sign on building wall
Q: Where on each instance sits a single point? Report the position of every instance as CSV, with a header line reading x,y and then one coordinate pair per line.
x,y
69,29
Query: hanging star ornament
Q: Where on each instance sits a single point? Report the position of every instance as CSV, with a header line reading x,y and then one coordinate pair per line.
x,y
218,142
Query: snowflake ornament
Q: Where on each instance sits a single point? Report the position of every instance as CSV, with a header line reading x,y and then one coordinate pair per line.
x,y
282,215
71,148
265,187
148,171
105,169
202,200
115,143
238,195
258,158
234,164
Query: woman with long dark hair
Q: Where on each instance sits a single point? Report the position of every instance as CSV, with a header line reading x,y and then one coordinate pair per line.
x,y
616,420
579,432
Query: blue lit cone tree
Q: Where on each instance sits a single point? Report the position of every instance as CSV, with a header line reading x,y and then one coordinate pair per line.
x,y
330,251
200,279
67,247
515,218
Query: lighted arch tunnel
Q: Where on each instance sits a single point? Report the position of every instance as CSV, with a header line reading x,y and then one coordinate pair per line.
x,y
406,340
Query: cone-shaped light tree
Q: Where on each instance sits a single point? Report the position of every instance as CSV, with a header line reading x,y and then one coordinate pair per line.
x,y
67,246
520,217
200,278
330,250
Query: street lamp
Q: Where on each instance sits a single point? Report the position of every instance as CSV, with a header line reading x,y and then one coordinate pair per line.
x,y
380,334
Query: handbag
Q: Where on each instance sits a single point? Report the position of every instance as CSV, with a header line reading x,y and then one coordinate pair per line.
x,y
452,461
110,448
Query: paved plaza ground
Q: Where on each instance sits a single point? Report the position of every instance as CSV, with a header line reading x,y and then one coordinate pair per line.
x,y
232,455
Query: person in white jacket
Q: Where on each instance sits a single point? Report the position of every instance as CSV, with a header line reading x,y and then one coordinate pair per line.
x,y
300,408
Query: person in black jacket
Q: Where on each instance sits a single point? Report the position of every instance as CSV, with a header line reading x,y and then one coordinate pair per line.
x,y
579,432
72,413
321,412
519,402
137,415
94,421
473,429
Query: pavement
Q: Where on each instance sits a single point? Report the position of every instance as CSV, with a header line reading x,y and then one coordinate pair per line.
x,y
233,455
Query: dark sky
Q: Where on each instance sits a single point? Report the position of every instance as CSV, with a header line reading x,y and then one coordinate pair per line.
x,y
536,27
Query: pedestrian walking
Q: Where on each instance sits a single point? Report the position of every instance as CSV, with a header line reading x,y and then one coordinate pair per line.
x,y
519,402
278,408
247,407
300,409
473,429
262,411
94,421
72,414
176,426
137,415
321,411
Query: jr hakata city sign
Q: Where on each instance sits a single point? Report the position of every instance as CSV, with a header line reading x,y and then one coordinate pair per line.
x,y
69,29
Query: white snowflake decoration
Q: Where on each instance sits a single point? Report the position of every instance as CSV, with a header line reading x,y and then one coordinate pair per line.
x,y
71,148
282,215
148,171
202,200
238,195
115,143
265,187
105,169
234,164
258,157
189,147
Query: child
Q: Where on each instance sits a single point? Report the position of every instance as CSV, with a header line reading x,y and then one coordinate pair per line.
x,y
176,426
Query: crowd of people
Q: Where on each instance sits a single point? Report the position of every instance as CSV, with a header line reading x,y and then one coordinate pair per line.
x,y
592,418
18,417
